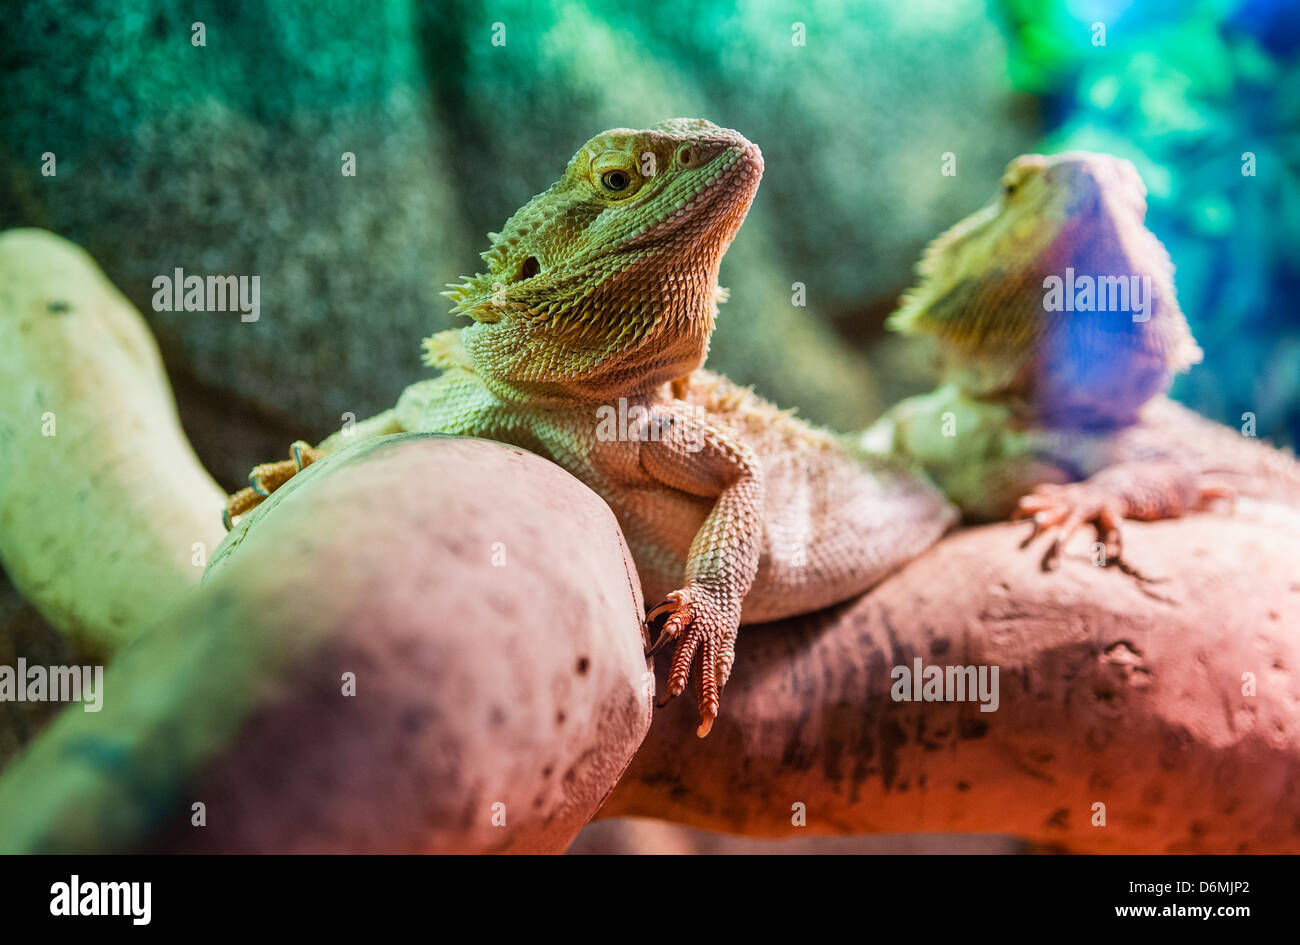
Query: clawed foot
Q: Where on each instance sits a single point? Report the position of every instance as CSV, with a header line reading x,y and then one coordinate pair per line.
x,y
700,627
1064,509
266,478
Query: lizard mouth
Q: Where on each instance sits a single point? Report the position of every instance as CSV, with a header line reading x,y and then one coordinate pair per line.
x,y
722,194
735,183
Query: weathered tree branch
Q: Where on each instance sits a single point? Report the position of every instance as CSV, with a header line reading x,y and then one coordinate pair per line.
x,y
106,516
1111,692
422,643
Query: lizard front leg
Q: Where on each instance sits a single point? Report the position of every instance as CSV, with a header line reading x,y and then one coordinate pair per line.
x,y
1143,490
267,477
692,456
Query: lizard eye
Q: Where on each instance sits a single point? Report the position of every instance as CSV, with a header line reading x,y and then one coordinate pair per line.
x,y
1020,170
686,156
615,180
531,267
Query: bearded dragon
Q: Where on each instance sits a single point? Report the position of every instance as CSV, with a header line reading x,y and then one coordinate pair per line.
x,y
591,321
1056,328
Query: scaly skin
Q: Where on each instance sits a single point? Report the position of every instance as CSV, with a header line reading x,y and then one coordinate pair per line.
x,y
1035,400
591,322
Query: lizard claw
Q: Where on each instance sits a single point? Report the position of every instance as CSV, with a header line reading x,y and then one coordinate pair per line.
x,y
1064,509
266,478
242,502
671,629
304,454
1148,492
255,482
667,605
698,625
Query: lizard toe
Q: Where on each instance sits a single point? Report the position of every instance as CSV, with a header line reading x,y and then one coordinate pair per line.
x,y
698,625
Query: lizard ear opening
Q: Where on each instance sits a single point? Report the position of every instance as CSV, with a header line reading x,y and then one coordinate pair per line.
x,y
531,268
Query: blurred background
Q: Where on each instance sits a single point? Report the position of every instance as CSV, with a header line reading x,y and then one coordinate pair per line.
x,y
225,158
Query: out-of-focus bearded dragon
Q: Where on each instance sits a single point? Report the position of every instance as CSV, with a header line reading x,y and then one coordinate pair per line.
x,y
590,326
1057,331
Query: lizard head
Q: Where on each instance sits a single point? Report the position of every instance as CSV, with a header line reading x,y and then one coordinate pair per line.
x,y
1055,295
606,283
